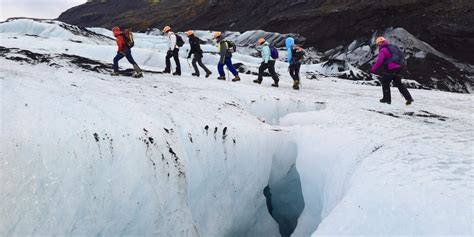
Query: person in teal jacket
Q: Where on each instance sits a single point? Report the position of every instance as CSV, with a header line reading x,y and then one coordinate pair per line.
x,y
267,63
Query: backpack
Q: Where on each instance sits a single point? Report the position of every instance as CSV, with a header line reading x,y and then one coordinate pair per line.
x,y
231,47
128,38
179,41
398,56
274,52
297,55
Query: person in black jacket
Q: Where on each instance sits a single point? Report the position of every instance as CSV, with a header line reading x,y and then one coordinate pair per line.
x,y
195,44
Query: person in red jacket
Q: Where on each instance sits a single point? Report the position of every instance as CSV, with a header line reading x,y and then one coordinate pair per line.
x,y
389,57
124,51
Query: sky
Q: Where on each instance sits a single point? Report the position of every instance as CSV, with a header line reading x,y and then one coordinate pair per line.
x,y
48,9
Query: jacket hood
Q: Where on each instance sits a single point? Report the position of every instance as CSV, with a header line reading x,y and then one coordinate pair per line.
x,y
116,31
290,42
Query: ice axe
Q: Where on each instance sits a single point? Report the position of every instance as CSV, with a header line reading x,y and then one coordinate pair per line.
x,y
189,64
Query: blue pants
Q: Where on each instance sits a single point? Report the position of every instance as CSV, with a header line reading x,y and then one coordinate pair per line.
x,y
230,66
126,53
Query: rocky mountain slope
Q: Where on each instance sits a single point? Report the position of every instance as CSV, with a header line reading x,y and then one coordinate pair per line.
x,y
447,25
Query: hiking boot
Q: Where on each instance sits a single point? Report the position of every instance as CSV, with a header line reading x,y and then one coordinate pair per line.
x,y
195,75
166,71
221,78
296,85
237,78
257,81
177,74
275,83
383,101
114,74
208,74
409,102
137,74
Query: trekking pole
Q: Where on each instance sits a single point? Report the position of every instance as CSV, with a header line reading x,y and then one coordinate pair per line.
x,y
189,64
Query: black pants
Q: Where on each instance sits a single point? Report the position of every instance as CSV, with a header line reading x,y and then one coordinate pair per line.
x,y
198,60
271,68
295,71
396,77
175,55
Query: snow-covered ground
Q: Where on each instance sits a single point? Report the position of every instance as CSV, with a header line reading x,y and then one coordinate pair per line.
x,y
83,153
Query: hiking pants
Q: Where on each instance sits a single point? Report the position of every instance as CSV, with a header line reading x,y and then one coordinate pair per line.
x,y
295,71
271,68
175,55
198,60
396,77
126,53
230,66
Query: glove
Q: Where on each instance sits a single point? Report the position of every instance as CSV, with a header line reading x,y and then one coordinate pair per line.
x,y
169,52
121,52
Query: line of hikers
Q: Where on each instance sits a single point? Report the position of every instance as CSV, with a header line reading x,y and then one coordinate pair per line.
x,y
390,56
225,50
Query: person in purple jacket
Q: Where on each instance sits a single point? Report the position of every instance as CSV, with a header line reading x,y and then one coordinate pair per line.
x,y
392,59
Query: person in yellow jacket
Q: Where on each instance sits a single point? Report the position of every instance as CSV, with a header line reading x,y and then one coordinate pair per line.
x,y
225,53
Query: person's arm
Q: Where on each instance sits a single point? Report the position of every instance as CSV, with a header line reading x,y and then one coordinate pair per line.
x,y
120,43
172,41
192,49
290,55
223,51
380,60
266,53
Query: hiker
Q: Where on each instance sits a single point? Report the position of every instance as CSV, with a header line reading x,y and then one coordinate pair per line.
x,y
295,57
195,44
392,59
267,63
225,49
173,51
124,43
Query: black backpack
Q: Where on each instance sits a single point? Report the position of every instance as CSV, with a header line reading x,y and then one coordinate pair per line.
x,y
231,47
128,38
179,41
297,55
398,56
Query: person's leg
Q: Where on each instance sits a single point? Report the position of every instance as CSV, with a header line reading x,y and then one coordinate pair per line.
x,y
271,68
176,60
261,70
220,69
196,69
199,61
297,71
128,54
116,60
295,74
386,80
168,62
397,81
231,67
292,72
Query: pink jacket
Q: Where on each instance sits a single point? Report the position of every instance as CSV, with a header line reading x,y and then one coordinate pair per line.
x,y
384,54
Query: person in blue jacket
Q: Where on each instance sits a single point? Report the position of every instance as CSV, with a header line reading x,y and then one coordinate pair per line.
x,y
267,63
295,55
